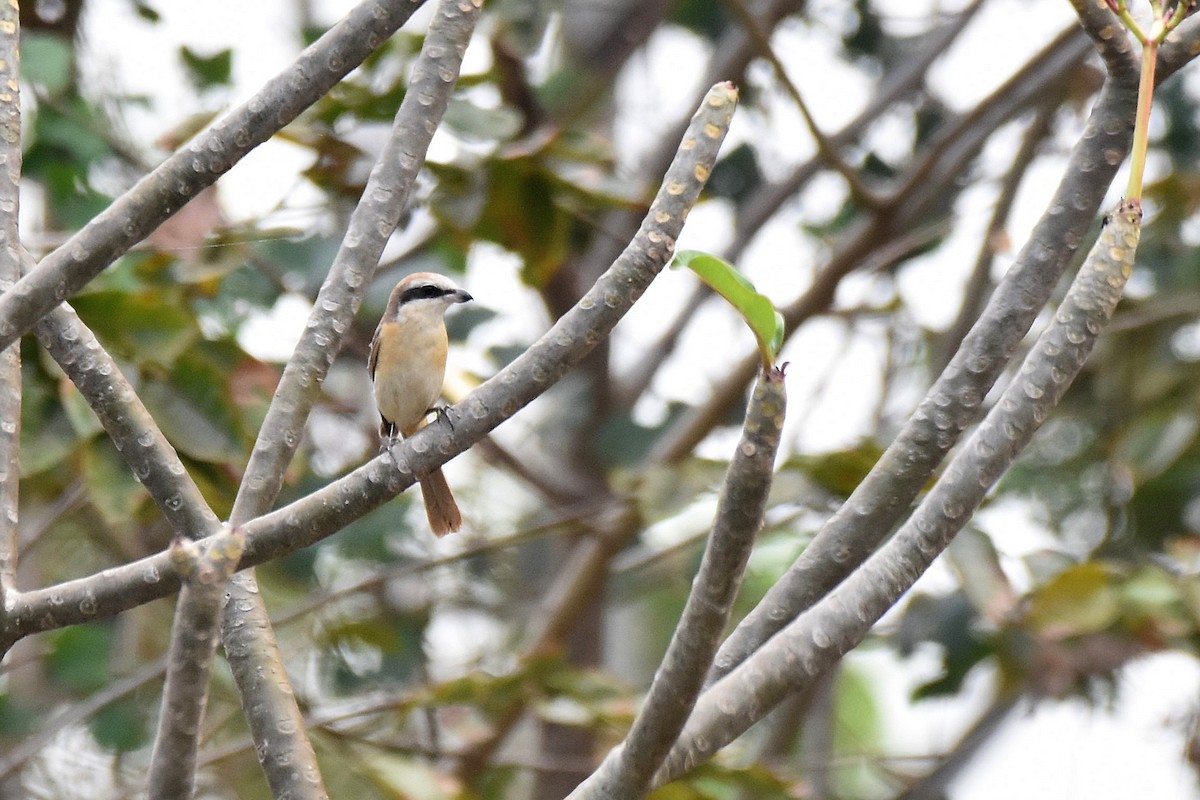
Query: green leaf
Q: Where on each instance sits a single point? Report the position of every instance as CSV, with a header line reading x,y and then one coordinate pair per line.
x,y
70,130
479,124
620,441
859,721
46,439
16,719
121,725
206,72
710,20
47,436
193,406
383,649
1154,600
758,311
147,11
840,471
948,621
715,781
112,489
79,657
491,694
1081,600
46,61
497,780
147,327
81,416
736,175
514,202
304,262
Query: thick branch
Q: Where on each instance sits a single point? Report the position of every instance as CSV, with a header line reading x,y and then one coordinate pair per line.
x,y
268,702
198,164
10,273
204,570
813,642
628,768
1109,36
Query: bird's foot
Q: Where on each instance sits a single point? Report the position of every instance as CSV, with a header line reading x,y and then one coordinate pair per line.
x,y
443,414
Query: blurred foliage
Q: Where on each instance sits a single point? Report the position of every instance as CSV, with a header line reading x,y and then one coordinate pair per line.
x,y
208,71
405,653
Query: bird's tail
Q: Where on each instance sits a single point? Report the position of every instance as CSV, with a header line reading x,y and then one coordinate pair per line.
x,y
440,507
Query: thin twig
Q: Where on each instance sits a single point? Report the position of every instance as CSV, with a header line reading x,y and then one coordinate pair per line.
x,y
825,146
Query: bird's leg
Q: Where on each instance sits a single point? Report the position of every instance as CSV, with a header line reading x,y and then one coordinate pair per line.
x,y
443,415
389,434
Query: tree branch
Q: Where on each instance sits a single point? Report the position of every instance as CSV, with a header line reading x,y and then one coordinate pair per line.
x,y
10,273
810,644
209,155
933,785
204,570
628,768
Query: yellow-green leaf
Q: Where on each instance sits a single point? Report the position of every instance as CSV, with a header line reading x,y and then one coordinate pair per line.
x,y
758,311
411,778
114,493
1083,599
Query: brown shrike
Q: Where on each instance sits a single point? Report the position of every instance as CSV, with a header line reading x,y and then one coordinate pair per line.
x,y
408,364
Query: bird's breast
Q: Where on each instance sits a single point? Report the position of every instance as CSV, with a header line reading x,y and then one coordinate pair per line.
x,y
410,368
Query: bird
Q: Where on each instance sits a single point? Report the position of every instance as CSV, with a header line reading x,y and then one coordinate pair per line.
x,y
407,363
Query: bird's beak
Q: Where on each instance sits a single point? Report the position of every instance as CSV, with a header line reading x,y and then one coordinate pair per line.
x,y
462,296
